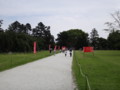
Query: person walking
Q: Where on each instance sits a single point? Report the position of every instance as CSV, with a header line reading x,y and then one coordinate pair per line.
x,y
50,50
65,53
70,52
54,52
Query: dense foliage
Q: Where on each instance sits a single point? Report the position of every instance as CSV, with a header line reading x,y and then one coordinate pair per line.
x,y
19,37
77,39
114,40
74,38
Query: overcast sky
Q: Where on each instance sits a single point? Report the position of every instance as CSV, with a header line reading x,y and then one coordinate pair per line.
x,y
61,15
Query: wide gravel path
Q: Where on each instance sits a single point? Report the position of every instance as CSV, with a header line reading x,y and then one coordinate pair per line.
x,y
51,73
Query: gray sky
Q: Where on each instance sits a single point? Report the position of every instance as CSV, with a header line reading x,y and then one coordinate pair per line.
x,y
61,15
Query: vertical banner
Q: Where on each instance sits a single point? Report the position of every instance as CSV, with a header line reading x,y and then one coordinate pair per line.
x,y
63,48
58,47
55,47
34,48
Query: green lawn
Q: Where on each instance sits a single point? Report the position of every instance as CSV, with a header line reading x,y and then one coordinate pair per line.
x,y
11,60
102,69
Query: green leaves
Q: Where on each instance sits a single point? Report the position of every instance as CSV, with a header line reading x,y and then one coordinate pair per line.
x,y
73,38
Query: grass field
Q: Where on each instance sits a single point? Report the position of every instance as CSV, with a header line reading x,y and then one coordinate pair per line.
x,y
11,60
102,69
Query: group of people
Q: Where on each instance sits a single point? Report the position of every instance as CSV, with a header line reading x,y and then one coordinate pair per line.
x,y
70,52
51,51
64,51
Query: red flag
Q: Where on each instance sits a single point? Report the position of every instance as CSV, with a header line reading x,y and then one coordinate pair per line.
x,y
55,47
63,47
59,48
34,48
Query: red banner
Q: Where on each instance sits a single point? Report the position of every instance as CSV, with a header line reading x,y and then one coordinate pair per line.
x,y
63,47
34,48
55,47
87,49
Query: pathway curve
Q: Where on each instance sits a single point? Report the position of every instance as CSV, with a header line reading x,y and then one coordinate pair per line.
x,y
51,73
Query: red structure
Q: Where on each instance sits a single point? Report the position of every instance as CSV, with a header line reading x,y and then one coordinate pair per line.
x,y
55,47
88,49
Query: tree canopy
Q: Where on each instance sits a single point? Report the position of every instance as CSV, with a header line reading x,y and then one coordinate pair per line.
x,y
114,40
94,38
19,37
75,38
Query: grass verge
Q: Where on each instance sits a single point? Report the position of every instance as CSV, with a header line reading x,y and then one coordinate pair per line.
x,y
8,61
102,69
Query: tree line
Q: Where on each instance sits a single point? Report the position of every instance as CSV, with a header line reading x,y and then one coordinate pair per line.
x,y
77,38
19,37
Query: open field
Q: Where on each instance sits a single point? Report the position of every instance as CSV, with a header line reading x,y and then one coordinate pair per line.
x,y
102,69
11,60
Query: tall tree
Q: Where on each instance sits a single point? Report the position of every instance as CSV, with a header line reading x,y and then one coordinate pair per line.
x,y
28,28
73,38
114,40
20,28
103,43
39,30
115,25
15,27
94,38
43,32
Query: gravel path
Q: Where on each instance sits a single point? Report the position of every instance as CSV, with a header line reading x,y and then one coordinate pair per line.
x,y
51,73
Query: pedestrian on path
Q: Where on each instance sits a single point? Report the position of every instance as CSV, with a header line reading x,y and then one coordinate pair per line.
x,y
50,50
55,50
70,52
65,52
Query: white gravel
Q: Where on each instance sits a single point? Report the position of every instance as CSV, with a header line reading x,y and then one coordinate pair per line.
x,y
51,73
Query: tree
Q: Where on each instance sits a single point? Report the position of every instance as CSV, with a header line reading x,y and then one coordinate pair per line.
x,y
28,28
2,41
114,40
94,38
73,38
20,28
1,22
43,32
62,38
115,25
39,30
103,44
15,27
114,29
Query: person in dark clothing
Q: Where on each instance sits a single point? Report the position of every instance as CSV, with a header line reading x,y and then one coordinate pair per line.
x,y
70,52
50,50
65,52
